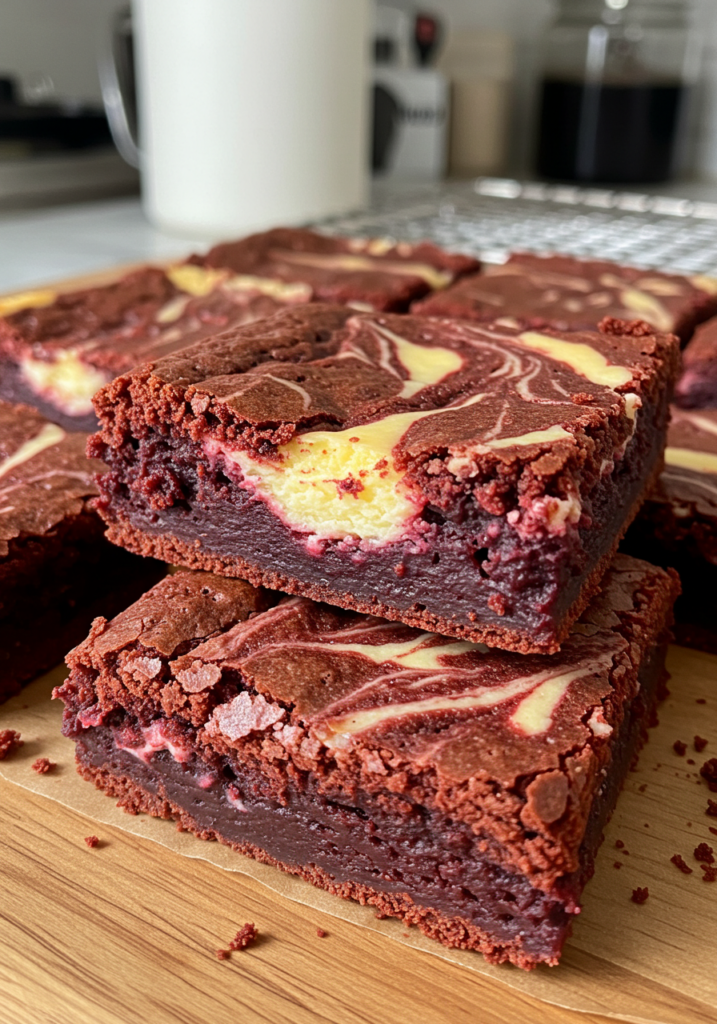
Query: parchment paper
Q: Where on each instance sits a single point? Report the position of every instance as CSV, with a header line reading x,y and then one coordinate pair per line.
x,y
627,961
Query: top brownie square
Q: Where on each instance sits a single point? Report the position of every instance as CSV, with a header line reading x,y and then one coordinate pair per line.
x,y
467,479
366,273
571,294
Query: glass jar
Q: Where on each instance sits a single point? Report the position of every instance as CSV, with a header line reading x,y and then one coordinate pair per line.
x,y
616,74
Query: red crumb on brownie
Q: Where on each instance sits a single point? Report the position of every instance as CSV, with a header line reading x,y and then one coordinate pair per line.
x,y
92,841
640,895
321,933
700,743
708,771
680,863
43,765
246,936
710,872
10,741
679,748
704,853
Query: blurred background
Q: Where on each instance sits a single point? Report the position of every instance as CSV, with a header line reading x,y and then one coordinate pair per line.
x,y
592,91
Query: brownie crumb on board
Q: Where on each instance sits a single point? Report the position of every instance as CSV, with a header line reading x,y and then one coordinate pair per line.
x,y
705,853
680,863
222,954
700,700
712,830
321,933
617,864
619,844
92,841
43,765
10,741
708,771
711,808
640,895
700,743
245,937
709,872
679,748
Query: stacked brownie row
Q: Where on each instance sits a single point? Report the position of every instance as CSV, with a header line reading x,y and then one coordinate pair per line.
x,y
677,526
438,719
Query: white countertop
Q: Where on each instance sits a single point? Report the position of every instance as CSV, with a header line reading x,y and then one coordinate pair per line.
x,y
49,244
45,245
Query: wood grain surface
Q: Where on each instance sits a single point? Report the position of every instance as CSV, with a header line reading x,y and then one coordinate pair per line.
x,y
127,933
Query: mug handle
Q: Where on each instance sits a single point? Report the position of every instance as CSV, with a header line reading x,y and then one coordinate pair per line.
x,y
117,82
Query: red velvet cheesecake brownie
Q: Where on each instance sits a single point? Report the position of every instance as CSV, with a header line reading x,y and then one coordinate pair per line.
x,y
461,789
571,294
472,480
697,387
677,525
56,350
367,273
57,571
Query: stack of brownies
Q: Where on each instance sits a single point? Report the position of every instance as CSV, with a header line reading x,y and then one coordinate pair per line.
x,y
409,665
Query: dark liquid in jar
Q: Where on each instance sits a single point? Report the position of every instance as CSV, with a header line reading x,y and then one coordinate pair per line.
x,y
608,133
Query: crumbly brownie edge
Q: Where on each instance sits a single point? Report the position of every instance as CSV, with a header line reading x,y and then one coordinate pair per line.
x,y
456,933
173,550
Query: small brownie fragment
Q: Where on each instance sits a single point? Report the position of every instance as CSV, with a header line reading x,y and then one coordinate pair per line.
x,y
709,872
462,789
57,571
316,451
223,954
43,765
700,744
368,273
704,852
680,863
677,525
708,771
246,936
10,741
92,841
679,748
321,933
711,808
640,895
571,294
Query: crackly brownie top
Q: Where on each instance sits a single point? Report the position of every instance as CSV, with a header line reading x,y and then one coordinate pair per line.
x,y
145,314
567,293
378,704
690,473
45,475
354,419
376,272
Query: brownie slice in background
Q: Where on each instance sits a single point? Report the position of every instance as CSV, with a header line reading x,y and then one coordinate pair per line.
x,y
461,789
368,273
469,479
677,525
57,571
571,294
697,387
57,354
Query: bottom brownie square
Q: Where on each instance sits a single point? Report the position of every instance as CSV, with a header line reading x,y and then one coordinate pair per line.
x,y
459,788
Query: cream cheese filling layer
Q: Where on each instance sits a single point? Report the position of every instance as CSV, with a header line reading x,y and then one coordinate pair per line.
x,y
65,381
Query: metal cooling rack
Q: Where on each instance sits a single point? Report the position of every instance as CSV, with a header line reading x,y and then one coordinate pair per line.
x,y
492,216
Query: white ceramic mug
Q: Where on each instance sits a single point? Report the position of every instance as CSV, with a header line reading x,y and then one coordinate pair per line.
x,y
252,113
